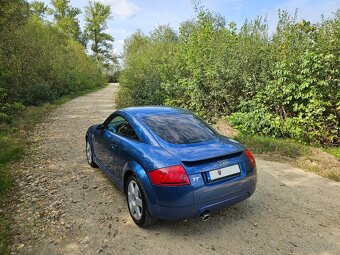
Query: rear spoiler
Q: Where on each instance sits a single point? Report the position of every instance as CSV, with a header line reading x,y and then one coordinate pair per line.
x,y
213,159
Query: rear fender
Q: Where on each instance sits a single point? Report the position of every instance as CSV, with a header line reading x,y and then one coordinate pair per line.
x,y
143,178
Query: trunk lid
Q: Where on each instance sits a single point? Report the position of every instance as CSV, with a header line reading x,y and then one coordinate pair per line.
x,y
200,157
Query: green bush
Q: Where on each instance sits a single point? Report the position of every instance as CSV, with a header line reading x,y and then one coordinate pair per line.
x,y
281,85
39,63
144,60
7,110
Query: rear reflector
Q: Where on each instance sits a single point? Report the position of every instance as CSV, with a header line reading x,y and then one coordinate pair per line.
x,y
251,158
169,176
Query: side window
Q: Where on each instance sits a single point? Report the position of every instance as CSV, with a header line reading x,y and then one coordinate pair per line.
x,y
122,127
115,123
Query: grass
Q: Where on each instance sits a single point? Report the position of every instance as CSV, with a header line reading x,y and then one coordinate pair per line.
x,y
13,144
282,147
288,151
322,161
333,151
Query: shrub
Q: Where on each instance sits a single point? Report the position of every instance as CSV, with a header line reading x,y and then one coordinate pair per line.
x,y
283,85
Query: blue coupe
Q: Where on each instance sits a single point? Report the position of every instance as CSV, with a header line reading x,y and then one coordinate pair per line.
x,y
170,163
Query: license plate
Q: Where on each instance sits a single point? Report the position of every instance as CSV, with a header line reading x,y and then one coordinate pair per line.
x,y
224,172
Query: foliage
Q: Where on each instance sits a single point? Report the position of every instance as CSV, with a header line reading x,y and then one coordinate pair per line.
x,y
283,85
38,63
114,76
39,9
66,19
7,108
146,60
41,64
301,96
12,13
96,16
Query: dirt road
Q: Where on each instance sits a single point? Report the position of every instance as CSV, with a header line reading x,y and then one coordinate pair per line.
x,y
66,207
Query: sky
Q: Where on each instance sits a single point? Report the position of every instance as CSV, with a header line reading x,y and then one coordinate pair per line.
x,y
130,15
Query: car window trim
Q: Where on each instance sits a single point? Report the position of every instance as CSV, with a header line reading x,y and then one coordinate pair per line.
x,y
114,115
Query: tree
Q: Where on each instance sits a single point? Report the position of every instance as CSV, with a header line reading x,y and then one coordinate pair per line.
x,y
12,13
96,17
164,33
66,19
283,85
39,9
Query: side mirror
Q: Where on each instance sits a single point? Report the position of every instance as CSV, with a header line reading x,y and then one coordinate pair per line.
x,y
100,127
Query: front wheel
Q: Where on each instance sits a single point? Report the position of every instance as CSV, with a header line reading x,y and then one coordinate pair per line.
x,y
89,154
137,203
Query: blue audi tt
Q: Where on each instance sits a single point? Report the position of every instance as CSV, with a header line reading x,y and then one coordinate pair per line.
x,y
170,163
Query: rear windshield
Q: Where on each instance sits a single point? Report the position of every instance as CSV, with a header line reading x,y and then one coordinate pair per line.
x,y
179,128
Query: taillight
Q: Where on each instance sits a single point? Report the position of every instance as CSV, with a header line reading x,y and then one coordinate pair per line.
x,y
251,158
169,176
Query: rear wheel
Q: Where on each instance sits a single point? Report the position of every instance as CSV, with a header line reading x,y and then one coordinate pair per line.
x,y
137,203
89,154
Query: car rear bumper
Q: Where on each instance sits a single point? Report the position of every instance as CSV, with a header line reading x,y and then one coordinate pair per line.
x,y
195,210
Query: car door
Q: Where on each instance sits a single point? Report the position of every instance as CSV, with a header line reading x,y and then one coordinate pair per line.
x,y
103,142
98,141
122,144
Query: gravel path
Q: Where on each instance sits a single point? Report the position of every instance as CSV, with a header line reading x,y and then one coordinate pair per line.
x,y
66,207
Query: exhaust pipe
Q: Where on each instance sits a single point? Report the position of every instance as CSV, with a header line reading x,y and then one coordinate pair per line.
x,y
205,216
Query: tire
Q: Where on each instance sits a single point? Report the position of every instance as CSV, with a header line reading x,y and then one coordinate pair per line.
x,y
136,202
89,154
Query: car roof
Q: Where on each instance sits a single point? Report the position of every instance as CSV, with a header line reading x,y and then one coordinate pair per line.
x,y
141,111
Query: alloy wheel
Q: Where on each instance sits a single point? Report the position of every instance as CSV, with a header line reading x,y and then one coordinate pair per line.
x,y
88,152
135,200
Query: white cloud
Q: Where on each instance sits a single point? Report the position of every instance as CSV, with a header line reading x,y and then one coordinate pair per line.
x,y
122,8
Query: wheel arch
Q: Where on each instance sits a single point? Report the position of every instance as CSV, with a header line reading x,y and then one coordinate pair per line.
x,y
136,169
126,176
